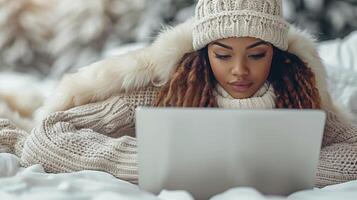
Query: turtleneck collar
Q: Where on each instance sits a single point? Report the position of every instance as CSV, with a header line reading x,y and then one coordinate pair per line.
x,y
264,98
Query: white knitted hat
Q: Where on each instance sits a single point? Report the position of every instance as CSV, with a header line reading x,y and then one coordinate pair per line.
x,y
218,19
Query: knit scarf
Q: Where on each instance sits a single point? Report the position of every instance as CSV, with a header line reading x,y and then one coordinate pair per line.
x,y
264,98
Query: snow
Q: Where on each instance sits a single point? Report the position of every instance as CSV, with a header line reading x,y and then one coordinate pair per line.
x,y
33,183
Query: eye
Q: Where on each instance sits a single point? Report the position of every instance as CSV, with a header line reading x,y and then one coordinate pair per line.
x,y
222,57
257,56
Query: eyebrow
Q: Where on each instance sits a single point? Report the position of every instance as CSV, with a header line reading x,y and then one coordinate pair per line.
x,y
222,45
248,47
257,44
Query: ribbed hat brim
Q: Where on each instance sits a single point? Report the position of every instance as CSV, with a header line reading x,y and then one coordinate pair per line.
x,y
241,24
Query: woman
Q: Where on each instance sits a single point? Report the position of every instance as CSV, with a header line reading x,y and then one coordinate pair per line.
x,y
234,54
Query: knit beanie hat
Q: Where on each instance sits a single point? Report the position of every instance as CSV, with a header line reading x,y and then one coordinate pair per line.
x,y
218,19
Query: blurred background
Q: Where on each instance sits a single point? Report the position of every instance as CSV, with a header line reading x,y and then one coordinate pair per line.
x,y
49,37
40,40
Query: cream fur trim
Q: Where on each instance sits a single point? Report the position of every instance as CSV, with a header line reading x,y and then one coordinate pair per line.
x,y
155,64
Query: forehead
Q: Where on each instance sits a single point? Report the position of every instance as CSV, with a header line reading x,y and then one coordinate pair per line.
x,y
238,42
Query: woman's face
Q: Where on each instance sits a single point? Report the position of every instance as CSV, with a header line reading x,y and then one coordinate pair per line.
x,y
240,65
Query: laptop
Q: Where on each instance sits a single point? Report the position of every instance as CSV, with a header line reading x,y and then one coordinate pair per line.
x,y
207,151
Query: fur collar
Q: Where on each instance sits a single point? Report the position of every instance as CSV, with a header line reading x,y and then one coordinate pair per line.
x,y
172,43
155,64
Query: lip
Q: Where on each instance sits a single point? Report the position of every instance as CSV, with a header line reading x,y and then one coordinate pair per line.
x,y
241,86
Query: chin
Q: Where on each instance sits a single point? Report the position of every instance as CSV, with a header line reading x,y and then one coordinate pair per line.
x,y
245,95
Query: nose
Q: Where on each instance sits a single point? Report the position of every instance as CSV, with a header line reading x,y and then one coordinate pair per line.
x,y
240,69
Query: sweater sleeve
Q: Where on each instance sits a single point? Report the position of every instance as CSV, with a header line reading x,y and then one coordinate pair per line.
x,y
12,138
338,156
97,136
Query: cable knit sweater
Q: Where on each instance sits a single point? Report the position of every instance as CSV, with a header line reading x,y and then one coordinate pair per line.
x,y
101,136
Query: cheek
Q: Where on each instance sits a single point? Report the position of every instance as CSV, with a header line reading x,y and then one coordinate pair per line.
x,y
262,71
219,70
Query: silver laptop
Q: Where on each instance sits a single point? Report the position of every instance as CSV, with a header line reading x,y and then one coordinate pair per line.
x,y
207,151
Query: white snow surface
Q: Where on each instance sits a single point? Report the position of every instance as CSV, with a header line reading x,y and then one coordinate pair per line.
x,y
32,183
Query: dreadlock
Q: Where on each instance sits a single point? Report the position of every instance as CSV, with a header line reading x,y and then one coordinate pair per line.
x,y
192,83
293,81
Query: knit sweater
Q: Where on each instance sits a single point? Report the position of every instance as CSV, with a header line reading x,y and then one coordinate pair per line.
x,y
101,136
